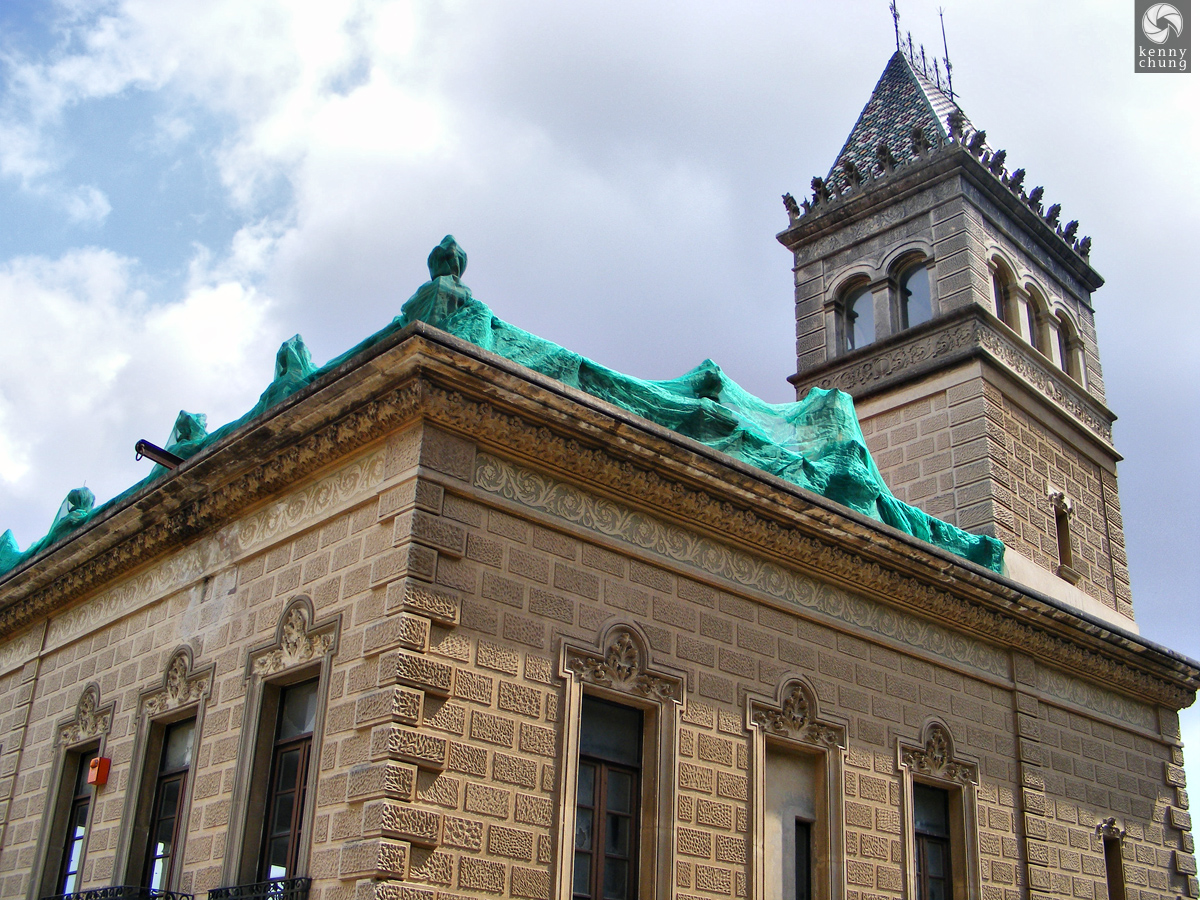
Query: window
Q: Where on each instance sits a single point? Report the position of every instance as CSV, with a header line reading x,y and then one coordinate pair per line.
x,y
859,318
916,304
1062,528
1031,322
77,822
169,792
931,827
607,801
1114,868
288,780
792,802
1069,349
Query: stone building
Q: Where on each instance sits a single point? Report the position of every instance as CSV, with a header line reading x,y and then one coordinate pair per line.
x,y
430,624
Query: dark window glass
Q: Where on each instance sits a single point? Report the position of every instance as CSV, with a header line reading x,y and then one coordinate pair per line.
x,y
288,782
77,821
606,815
1000,295
1062,527
860,318
803,860
931,823
915,303
168,802
1114,868
1031,318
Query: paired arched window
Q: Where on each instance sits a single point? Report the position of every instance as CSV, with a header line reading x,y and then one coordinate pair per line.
x,y
1070,348
1004,297
859,317
916,300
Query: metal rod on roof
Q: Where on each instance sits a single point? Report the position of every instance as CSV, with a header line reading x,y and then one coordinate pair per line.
x,y
895,22
946,51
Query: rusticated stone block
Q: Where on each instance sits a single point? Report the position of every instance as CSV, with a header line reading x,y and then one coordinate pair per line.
x,y
498,658
713,880
433,531
731,849
520,699
510,842
376,858
536,739
406,559
419,826
514,770
486,800
491,729
425,673
403,630
424,600
386,778
1175,775
467,759
694,843
532,810
696,778
476,874
407,705
1180,819
473,686
1185,863
531,884
464,834
409,745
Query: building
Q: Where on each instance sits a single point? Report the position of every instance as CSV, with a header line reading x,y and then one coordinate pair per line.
x,y
428,623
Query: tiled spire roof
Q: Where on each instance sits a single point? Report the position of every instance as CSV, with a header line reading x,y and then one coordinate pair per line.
x,y
903,98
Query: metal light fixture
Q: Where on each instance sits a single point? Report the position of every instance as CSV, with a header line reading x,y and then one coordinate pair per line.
x,y
157,454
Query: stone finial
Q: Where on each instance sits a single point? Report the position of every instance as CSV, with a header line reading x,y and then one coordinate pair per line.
x,y
955,121
853,174
793,211
1015,180
1069,232
1034,200
996,164
820,190
1084,247
978,139
920,142
883,153
447,258
1052,215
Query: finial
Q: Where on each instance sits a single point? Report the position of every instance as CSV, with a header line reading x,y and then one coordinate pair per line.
x,y
1034,200
955,121
937,74
1052,215
883,153
911,57
1084,247
924,68
997,164
793,211
447,258
895,22
946,51
978,139
1070,230
920,143
1015,180
853,175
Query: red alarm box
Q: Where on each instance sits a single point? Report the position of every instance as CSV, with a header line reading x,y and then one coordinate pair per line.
x,y
98,770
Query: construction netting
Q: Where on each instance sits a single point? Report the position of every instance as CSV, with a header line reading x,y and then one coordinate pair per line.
x,y
815,443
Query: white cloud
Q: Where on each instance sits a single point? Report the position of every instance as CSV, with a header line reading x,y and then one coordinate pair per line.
x,y
88,365
87,206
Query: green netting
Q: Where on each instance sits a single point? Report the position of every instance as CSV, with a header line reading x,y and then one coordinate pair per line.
x,y
815,443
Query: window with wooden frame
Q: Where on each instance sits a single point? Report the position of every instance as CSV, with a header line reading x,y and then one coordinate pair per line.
x,y
170,791
931,829
607,801
78,817
290,760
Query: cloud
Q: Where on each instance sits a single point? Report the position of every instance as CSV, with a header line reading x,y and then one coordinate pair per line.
x,y
87,206
88,365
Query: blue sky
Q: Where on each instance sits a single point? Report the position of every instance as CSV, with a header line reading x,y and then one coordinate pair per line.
x,y
183,186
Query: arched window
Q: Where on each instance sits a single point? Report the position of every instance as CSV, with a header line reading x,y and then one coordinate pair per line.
x,y
1033,317
859,317
1002,295
916,302
1069,349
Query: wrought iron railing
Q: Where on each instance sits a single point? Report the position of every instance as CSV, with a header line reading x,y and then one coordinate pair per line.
x,y
122,892
277,889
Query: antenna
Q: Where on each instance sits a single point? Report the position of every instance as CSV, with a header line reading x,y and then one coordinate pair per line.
x,y
924,70
895,22
937,74
910,49
946,51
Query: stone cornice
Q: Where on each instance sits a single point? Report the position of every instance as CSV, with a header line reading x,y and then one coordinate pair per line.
x,y
947,162
966,333
424,373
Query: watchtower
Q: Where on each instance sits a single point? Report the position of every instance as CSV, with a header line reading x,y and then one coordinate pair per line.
x,y
956,309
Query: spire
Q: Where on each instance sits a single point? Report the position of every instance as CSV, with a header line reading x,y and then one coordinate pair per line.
x,y
904,99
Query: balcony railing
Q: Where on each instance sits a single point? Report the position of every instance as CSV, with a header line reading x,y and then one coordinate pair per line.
x,y
122,892
278,889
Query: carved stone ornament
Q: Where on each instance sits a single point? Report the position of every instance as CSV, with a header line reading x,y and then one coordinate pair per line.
x,y
296,643
1110,828
936,758
1059,501
90,720
622,667
180,686
796,718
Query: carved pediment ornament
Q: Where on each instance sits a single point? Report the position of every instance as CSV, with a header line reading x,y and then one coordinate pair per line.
x,y
1110,828
297,642
936,759
180,685
622,666
90,719
795,717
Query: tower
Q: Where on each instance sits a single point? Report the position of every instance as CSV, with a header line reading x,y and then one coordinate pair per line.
x,y
955,307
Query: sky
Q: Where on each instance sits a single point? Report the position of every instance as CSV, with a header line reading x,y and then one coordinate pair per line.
x,y
184,186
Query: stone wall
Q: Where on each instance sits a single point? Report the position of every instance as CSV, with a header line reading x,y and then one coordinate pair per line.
x,y
433,585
